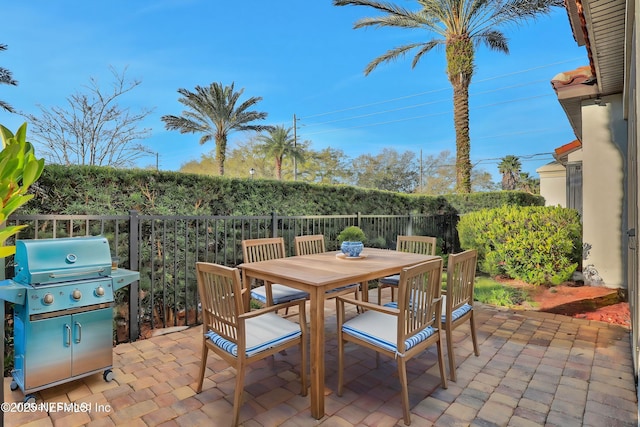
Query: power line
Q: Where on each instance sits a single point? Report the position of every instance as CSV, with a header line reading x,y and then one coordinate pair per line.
x,y
436,90
424,116
419,105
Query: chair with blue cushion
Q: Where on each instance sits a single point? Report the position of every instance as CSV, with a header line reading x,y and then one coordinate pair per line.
x,y
401,332
255,250
457,306
424,245
314,244
241,337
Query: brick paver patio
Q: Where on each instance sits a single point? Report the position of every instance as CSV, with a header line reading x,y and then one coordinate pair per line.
x,y
534,369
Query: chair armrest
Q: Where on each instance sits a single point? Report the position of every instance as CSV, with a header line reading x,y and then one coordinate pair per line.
x,y
370,306
272,308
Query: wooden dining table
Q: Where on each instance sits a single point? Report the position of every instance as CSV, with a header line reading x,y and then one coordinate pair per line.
x,y
318,273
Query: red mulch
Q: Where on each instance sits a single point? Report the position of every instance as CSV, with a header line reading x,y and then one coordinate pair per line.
x,y
583,302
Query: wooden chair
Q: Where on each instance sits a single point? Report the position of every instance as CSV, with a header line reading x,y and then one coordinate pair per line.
x,y
457,306
254,250
415,244
314,244
240,337
400,330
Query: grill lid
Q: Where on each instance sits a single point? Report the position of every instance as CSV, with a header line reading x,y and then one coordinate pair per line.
x,y
49,261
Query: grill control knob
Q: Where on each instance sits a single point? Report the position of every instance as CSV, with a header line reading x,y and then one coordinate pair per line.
x,y
47,299
99,291
76,294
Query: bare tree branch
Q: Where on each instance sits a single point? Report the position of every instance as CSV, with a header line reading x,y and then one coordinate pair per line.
x,y
94,129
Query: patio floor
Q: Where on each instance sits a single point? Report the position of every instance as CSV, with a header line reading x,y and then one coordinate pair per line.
x,y
534,369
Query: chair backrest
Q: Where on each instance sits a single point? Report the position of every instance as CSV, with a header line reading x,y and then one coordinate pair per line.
x,y
220,292
308,245
461,274
255,250
419,301
424,245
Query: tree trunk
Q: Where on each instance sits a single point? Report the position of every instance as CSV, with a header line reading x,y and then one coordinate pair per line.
x,y
460,56
221,150
463,142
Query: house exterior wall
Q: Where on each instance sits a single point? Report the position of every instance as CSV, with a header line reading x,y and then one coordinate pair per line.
x,y
633,82
604,148
553,184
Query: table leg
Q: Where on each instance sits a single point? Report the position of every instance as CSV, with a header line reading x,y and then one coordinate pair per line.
x,y
317,353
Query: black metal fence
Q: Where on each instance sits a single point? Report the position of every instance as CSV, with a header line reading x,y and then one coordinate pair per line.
x,y
164,249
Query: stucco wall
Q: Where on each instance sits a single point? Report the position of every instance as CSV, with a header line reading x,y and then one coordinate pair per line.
x,y
553,184
604,216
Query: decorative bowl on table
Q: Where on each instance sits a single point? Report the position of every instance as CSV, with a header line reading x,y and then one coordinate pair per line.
x,y
351,249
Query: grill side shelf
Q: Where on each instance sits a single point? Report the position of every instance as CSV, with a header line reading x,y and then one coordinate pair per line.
x,y
12,291
123,277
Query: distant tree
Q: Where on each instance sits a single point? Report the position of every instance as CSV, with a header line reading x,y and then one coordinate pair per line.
x,y
510,167
6,77
277,144
327,166
439,175
213,112
388,170
205,166
528,183
482,180
94,130
459,26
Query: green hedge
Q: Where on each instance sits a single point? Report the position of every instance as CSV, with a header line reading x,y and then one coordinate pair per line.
x,y
534,244
78,190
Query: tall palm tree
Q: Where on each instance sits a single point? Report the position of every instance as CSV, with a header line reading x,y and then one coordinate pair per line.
x,y
213,112
6,77
510,167
279,143
459,26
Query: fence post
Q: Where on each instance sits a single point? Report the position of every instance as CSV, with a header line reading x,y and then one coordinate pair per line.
x,y
410,225
358,219
134,264
274,224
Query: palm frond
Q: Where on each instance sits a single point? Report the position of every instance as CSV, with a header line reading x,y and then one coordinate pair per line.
x,y
494,40
390,55
427,47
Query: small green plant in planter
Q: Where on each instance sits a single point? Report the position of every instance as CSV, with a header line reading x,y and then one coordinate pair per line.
x,y
351,241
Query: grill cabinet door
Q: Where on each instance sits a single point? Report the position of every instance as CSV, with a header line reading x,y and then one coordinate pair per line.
x,y
48,351
92,341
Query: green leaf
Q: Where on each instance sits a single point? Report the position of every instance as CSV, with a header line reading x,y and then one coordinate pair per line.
x,y
6,251
6,135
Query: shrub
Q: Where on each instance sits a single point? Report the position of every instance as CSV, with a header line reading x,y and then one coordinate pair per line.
x,y
534,244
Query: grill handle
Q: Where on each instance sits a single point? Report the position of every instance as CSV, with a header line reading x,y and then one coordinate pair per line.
x,y
75,273
68,328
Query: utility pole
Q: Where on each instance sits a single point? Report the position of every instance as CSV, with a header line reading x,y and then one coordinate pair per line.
x,y
295,145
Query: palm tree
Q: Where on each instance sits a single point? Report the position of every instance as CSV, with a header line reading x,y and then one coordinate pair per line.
x,y
510,167
213,112
6,77
459,26
528,183
279,143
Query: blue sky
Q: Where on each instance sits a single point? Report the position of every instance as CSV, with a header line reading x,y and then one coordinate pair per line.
x,y
302,57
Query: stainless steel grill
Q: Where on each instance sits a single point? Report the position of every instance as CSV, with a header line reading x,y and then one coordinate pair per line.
x,y
63,292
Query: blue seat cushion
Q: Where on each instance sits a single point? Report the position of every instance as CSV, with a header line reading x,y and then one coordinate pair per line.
x,y
391,280
342,288
262,332
280,293
457,313
380,329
